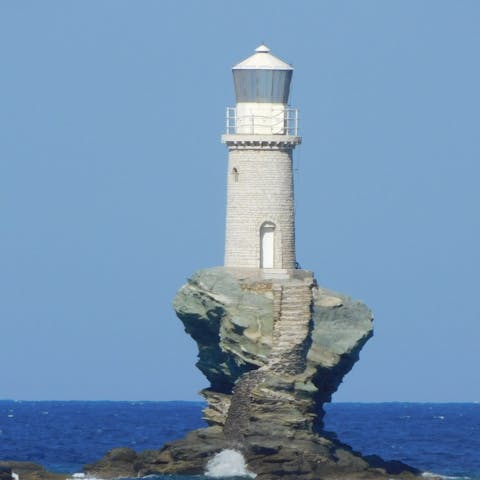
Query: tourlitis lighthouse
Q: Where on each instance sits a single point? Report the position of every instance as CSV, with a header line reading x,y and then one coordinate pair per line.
x,y
262,131
273,345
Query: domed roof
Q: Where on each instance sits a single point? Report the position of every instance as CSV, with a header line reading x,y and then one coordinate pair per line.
x,y
262,59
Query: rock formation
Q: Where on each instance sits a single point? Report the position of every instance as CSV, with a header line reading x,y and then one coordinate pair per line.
x,y
5,472
274,351
27,471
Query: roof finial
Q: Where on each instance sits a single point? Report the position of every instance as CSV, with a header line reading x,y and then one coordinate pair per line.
x,y
262,48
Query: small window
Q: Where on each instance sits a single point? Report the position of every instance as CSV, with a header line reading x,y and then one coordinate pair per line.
x,y
235,174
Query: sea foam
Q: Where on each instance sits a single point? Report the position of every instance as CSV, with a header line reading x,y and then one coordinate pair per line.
x,y
81,476
445,477
228,463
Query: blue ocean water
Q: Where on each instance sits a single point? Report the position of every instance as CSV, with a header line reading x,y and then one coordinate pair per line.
x,y
434,437
63,436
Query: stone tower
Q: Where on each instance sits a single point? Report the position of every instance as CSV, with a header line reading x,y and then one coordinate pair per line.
x,y
262,131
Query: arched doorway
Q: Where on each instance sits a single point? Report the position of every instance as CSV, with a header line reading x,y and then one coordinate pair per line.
x,y
267,240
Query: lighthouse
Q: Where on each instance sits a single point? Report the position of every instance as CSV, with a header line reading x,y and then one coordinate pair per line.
x,y
261,133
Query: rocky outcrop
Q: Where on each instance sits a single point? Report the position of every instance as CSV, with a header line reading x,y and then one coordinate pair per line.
x,y
5,473
27,471
274,351
289,331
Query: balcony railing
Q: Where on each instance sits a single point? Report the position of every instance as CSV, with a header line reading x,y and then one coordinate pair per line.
x,y
282,122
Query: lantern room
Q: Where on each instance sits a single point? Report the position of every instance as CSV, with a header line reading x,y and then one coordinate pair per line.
x,y
262,78
262,86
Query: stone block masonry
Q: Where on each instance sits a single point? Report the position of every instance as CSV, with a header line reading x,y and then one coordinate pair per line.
x,y
259,195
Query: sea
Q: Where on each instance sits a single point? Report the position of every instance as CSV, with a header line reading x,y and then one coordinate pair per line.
x,y
440,438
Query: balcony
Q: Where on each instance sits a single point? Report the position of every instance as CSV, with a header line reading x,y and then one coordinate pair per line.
x,y
262,119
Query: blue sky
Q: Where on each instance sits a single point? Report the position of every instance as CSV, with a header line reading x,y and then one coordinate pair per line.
x,y
112,185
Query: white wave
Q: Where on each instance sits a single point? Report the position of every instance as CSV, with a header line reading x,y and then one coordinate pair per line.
x,y
82,476
228,463
445,477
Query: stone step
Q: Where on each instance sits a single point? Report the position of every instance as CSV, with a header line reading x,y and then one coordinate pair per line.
x,y
302,310
293,340
288,343
296,291
276,275
292,334
295,319
296,303
300,306
285,348
300,287
282,363
297,286
297,312
296,316
296,296
285,351
293,337
294,327
296,300
294,322
293,315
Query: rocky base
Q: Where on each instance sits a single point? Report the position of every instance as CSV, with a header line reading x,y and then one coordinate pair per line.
x,y
307,458
274,348
27,471
5,473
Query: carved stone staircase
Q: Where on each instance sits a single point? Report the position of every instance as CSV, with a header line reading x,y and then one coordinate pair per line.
x,y
292,304
292,313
